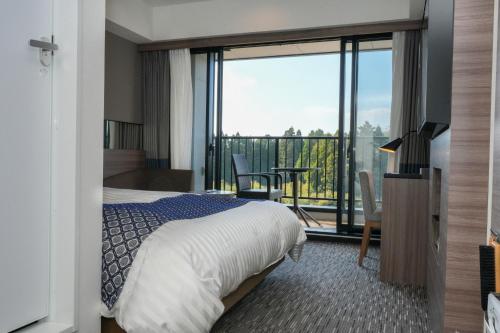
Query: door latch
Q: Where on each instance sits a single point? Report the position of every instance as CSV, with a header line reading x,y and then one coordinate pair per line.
x,y
47,48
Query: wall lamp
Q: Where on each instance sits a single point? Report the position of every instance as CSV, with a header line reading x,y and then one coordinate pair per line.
x,y
392,146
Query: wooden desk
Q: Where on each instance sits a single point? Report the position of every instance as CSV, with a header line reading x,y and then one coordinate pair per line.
x,y
403,249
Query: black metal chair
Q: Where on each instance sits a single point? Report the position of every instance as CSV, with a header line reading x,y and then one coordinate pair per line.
x,y
244,181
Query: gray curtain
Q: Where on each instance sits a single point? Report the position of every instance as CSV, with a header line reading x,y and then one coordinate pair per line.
x,y
122,135
415,149
156,108
126,135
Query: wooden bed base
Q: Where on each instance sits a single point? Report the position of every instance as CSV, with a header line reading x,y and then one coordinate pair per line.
x,y
109,325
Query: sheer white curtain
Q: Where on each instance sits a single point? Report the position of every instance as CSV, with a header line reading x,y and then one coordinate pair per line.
x,y
181,109
398,64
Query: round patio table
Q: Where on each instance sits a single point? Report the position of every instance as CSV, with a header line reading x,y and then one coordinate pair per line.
x,y
294,173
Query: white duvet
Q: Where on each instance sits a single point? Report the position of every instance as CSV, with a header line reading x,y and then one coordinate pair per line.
x,y
184,269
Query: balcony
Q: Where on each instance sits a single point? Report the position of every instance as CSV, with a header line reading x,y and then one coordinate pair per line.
x,y
318,189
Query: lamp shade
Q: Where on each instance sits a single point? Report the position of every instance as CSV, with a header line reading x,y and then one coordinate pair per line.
x,y
392,146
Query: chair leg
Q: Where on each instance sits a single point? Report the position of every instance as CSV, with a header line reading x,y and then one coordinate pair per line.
x,y
364,243
370,228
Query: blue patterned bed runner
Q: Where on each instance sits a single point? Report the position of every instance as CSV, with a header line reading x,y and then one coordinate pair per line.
x,y
125,226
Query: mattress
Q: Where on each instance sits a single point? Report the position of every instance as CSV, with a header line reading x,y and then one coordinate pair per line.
x,y
183,269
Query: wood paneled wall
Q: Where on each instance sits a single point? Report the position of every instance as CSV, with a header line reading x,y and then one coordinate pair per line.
x,y
436,251
469,162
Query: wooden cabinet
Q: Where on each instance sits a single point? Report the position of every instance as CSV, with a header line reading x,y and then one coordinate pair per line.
x,y
403,247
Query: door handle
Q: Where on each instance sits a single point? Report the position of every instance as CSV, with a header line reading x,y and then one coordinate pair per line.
x,y
43,45
47,49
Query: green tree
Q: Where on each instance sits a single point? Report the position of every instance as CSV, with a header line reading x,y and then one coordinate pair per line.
x,y
366,130
378,132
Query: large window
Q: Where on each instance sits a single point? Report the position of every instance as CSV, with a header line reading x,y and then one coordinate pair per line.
x,y
281,95
281,109
373,114
324,105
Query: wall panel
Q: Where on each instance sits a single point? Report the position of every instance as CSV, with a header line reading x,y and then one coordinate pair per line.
x,y
469,163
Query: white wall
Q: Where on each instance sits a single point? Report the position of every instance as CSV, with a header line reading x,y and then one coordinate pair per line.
x,y
78,109
89,162
222,17
130,19
64,220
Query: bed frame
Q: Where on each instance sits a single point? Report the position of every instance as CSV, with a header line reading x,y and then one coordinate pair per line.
x,y
125,169
118,161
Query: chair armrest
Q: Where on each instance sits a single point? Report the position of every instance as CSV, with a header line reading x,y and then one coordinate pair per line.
x,y
280,177
263,174
273,174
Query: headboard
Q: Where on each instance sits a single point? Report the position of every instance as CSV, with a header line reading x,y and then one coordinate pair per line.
x,y
153,180
126,169
118,161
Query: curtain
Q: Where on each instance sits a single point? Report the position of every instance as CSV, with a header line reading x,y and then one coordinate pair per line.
x,y
398,52
415,148
124,135
181,109
156,108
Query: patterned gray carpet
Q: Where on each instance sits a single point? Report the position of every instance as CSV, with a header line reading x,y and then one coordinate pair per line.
x,y
327,292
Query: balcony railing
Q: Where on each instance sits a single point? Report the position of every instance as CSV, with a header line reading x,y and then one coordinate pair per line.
x,y
317,187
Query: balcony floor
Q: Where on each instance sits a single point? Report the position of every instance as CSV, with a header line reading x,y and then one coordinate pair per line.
x,y
328,220
324,224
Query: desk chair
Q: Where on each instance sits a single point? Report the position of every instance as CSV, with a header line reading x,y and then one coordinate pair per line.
x,y
373,215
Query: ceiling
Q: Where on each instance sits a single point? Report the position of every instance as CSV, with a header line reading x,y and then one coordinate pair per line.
x,y
180,19
416,6
157,3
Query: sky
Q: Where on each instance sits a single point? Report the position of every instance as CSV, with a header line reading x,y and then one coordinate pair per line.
x,y
269,95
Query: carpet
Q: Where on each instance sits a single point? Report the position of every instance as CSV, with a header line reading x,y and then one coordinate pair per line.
x,y
326,291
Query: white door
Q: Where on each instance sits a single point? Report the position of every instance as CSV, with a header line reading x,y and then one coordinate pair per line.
x,y
25,164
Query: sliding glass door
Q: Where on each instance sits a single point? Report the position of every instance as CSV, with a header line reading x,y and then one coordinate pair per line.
x,y
324,105
367,95
345,151
214,118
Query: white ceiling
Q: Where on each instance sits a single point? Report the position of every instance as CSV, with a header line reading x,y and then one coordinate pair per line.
x,y
157,3
416,9
416,6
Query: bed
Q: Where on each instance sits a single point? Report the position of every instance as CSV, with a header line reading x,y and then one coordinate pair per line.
x,y
199,256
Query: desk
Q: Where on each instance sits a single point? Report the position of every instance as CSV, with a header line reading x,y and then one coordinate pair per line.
x,y
403,245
